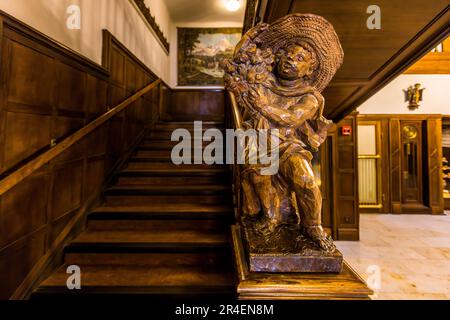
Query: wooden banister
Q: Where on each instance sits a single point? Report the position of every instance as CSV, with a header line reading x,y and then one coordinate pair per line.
x,y
29,168
236,113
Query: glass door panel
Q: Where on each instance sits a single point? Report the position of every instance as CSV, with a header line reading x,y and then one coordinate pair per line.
x,y
369,177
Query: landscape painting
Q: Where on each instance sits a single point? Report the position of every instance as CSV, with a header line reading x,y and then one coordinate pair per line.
x,y
200,51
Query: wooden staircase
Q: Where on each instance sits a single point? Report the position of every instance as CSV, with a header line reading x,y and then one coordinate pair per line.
x,y
163,230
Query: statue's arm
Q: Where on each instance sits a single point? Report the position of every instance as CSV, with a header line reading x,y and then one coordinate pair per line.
x,y
305,109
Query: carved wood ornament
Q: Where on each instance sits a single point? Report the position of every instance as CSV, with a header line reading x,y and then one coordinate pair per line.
x,y
277,75
152,22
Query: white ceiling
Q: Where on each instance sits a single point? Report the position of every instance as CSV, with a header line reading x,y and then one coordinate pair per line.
x,y
204,11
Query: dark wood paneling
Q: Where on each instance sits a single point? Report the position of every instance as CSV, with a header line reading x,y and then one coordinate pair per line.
x,y
333,96
25,134
95,173
48,92
434,165
30,84
67,188
409,30
96,95
326,186
17,260
345,190
20,216
70,89
117,66
196,104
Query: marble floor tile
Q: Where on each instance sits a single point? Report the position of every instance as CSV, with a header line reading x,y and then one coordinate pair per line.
x,y
402,256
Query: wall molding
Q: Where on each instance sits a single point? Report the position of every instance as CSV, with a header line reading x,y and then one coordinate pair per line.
x,y
150,21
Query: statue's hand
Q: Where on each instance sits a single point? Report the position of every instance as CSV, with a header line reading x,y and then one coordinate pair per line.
x,y
255,98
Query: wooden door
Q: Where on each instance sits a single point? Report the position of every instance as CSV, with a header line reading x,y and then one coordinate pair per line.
x,y
369,166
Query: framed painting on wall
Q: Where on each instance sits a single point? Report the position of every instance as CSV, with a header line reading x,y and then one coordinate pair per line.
x,y
200,51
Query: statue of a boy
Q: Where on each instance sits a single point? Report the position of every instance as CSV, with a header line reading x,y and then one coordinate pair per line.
x,y
277,75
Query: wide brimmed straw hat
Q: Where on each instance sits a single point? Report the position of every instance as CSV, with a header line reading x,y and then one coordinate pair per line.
x,y
317,33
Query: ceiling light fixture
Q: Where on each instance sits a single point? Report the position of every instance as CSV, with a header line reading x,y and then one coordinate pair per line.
x,y
232,5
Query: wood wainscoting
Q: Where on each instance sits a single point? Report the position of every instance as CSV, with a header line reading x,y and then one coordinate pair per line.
x,y
195,104
339,186
48,92
424,196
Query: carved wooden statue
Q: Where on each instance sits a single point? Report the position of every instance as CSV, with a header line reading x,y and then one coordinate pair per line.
x,y
277,74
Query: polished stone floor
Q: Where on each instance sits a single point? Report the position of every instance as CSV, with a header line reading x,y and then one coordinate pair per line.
x,y
402,256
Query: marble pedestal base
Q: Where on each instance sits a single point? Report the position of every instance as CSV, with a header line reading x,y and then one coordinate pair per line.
x,y
285,250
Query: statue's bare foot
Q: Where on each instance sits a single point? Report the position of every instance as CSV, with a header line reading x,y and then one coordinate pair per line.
x,y
318,235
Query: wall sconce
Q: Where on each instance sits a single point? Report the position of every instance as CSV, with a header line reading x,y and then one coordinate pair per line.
x,y
413,95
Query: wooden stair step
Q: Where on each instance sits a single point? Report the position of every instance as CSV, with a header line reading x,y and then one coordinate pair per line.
x,y
152,144
155,225
171,180
171,166
152,259
166,134
189,212
187,124
158,158
128,279
177,190
179,171
189,240
148,199
162,156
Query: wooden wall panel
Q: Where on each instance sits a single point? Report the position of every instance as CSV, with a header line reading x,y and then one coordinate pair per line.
x,y
67,188
345,191
31,78
117,67
96,95
95,174
130,76
326,187
434,165
22,139
395,168
70,89
18,259
64,126
20,216
196,104
47,92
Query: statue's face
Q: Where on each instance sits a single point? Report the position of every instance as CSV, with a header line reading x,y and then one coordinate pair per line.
x,y
295,63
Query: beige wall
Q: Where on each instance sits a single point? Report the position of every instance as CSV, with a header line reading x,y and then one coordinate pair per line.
x,y
117,16
391,99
